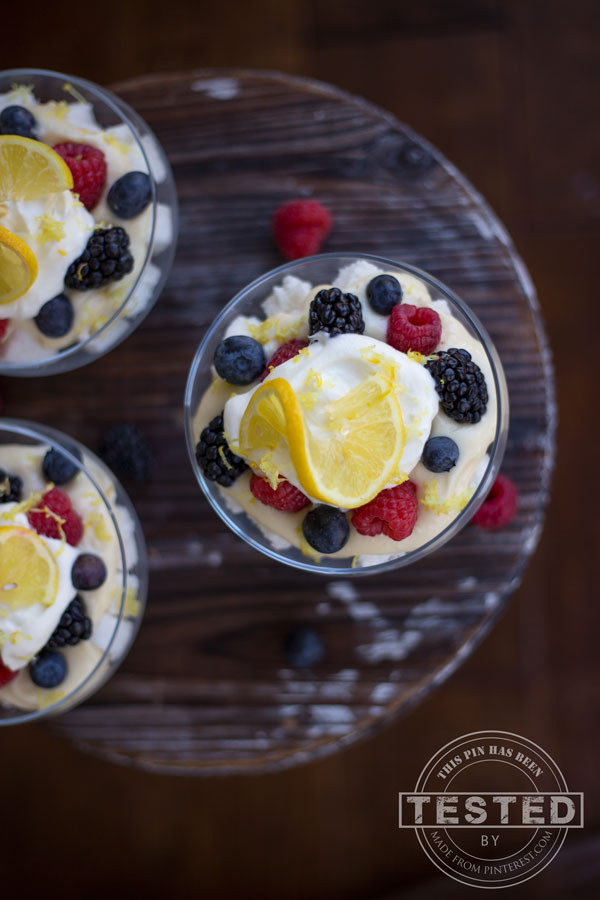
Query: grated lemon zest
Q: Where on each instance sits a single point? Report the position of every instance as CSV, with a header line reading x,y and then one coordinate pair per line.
x,y
69,89
61,110
132,605
25,505
304,352
97,523
224,459
117,143
270,470
417,357
22,92
273,329
455,503
49,229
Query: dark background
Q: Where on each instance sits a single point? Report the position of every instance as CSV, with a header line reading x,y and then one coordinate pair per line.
x,y
509,90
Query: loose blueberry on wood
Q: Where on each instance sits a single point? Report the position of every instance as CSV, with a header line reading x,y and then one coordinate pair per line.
x,y
303,647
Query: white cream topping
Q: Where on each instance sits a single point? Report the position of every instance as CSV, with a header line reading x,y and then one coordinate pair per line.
x,y
343,363
56,228
26,630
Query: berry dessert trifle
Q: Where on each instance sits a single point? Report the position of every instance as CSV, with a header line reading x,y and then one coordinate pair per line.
x,y
346,413
87,221
73,572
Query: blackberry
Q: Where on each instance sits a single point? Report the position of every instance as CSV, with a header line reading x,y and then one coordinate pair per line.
x,y
460,384
11,488
74,626
215,457
336,313
126,451
105,258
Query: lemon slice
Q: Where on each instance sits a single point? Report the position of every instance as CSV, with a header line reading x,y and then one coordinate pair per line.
x,y
18,266
28,570
30,169
349,453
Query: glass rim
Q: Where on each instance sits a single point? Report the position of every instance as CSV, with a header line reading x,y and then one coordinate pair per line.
x,y
49,435
127,115
496,453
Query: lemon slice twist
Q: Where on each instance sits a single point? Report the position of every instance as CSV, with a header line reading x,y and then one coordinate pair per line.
x,y
18,266
345,458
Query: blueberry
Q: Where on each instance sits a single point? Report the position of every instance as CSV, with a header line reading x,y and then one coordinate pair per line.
x,y
130,195
57,468
55,317
303,647
384,293
17,120
240,359
88,572
48,669
326,529
440,454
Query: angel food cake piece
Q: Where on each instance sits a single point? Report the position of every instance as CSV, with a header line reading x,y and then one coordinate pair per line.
x,y
61,577
352,420
76,219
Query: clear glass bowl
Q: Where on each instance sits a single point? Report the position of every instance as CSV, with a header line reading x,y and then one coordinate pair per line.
x,y
109,110
323,270
119,625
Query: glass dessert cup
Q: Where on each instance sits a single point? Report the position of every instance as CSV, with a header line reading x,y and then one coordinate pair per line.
x,y
106,316
115,608
323,270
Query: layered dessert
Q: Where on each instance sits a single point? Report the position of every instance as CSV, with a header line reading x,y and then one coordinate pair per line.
x,y
76,222
62,578
348,420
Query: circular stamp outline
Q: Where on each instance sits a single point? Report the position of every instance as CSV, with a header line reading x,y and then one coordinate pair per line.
x,y
526,744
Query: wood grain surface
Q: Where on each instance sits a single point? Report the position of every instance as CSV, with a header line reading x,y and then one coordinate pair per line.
x,y
206,688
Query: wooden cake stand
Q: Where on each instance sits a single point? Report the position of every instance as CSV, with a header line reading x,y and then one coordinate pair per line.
x,y
206,688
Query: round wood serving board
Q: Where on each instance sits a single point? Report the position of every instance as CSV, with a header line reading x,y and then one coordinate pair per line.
x,y
206,688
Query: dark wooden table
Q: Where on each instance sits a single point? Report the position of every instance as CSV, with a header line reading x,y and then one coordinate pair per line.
x,y
508,90
207,688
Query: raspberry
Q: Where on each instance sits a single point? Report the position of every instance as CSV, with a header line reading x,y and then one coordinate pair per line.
x,y
6,674
414,328
55,505
393,512
88,168
499,507
3,327
285,497
282,354
300,227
